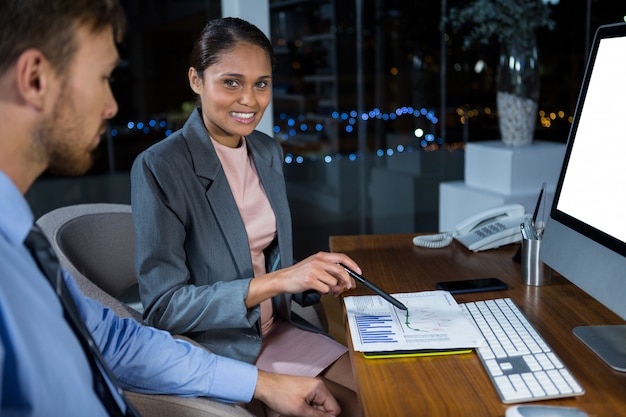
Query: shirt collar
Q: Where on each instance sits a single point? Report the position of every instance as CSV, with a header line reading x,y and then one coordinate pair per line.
x,y
16,217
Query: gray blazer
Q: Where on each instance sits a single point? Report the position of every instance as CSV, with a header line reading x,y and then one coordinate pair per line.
x,y
192,254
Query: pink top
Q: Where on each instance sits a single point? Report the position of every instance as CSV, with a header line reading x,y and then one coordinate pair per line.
x,y
254,207
286,348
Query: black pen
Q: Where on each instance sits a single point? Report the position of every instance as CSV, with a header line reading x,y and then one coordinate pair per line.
x,y
543,188
374,288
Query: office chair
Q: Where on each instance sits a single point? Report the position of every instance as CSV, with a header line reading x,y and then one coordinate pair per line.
x,y
95,243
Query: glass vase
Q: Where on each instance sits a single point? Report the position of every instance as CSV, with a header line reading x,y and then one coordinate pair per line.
x,y
518,91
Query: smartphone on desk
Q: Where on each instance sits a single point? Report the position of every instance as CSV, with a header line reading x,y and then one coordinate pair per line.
x,y
472,285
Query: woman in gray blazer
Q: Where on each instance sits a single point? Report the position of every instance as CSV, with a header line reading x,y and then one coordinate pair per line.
x,y
213,226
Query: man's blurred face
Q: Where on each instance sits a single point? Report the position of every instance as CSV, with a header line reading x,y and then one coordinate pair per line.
x,y
85,102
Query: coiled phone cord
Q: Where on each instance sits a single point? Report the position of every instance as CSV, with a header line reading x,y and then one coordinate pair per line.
x,y
436,241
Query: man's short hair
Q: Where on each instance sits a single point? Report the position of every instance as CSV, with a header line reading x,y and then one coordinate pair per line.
x,y
50,26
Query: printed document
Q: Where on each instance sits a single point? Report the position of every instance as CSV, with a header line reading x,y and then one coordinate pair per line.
x,y
433,320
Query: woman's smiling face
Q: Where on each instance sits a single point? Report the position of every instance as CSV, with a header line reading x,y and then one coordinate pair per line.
x,y
234,92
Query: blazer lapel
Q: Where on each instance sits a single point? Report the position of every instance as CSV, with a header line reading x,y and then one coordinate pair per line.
x,y
219,197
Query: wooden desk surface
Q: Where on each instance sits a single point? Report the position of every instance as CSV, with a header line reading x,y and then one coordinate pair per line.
x,y
458,385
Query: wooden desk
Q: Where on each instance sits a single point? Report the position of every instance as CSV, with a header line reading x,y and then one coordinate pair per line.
x,y
458,385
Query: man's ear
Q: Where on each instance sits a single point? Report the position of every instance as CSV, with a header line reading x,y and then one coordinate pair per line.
x,y
195,82
33,74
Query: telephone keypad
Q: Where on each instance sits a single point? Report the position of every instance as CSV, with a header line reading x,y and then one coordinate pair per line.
x,y
490,230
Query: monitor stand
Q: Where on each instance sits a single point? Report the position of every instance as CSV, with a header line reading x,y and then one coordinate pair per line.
x,y
608,342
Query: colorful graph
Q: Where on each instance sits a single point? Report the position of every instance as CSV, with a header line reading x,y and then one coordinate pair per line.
x,y
425,320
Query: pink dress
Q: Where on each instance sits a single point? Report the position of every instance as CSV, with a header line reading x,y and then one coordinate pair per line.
x,y
285,348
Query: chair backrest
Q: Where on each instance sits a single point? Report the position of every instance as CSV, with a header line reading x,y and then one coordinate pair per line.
x,y
96,244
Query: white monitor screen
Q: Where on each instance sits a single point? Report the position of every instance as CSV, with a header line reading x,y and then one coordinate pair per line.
x,y
593,185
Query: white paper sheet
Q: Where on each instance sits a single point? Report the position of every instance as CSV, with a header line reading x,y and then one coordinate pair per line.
x,y
433,320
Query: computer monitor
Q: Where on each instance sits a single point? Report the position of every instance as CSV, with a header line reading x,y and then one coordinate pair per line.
x,y
585,236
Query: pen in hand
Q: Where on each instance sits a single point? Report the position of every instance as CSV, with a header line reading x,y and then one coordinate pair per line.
x,y
374,288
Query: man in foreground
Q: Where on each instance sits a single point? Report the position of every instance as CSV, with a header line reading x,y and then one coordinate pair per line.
x,y
56,60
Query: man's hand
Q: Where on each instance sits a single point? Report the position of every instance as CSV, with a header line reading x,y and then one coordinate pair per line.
x,y
295,395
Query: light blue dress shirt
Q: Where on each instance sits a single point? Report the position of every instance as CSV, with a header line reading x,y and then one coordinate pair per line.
x,y
43,369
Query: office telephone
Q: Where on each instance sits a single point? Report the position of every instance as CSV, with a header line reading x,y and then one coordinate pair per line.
x,y
488,229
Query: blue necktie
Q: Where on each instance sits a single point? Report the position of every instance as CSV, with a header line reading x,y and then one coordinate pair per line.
x,y
104,380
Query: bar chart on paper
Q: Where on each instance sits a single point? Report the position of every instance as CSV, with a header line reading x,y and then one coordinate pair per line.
x,y
433,321
375,328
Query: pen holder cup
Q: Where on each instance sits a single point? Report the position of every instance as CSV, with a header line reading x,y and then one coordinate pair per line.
x,y
534,271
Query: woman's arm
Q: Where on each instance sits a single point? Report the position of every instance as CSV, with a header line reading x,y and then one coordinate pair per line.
x,y
320,272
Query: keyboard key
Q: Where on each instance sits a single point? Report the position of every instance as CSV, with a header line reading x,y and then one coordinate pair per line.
x,y
486,353
533,384
560,383
532,363
555,361
508,391
546,383
494,368
506,366
544,361
570,380
521,390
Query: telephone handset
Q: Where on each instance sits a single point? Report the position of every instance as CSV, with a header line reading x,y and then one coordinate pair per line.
x,y
488,229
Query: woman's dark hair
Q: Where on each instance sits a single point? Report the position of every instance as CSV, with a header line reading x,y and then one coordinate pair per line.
x,y
222,35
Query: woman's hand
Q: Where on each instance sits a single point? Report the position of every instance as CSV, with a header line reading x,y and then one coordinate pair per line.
x,y
320,272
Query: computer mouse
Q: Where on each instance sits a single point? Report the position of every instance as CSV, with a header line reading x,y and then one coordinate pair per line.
x,y
543,411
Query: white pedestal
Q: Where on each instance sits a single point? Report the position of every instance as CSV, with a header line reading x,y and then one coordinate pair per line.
x,y
496,174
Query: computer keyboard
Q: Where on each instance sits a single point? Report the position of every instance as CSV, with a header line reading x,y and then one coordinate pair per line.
x,y
519,362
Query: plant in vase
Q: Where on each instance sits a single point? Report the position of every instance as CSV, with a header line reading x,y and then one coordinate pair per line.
x,y
512,23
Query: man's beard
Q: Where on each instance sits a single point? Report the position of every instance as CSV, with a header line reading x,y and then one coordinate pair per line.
x,y
62,139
